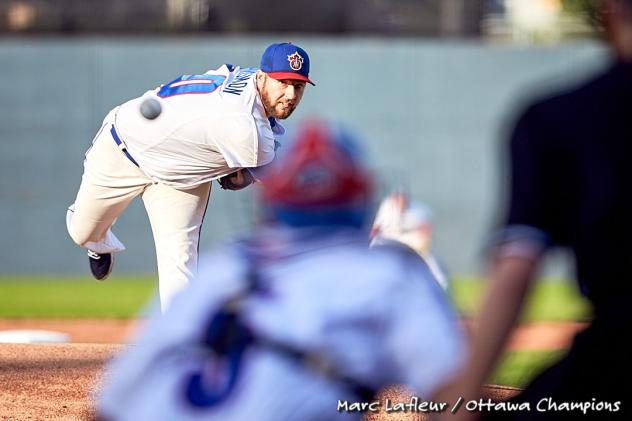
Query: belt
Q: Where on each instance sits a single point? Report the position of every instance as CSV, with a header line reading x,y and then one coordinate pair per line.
x,y
121,145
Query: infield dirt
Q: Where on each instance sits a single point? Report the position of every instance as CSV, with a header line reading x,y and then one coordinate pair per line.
x,y
57,381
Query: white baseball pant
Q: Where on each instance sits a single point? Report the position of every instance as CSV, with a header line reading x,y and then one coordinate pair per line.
x,y
109,183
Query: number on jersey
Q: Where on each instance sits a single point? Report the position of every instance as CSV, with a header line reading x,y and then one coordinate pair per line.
x,y
191,84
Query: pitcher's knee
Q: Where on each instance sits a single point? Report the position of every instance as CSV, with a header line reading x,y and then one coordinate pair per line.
x,y
79,233
80,238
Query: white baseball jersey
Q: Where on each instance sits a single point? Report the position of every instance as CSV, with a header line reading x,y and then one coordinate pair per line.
x,y
374,315
210,125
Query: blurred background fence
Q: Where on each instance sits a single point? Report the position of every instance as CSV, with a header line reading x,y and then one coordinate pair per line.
x,y
431,86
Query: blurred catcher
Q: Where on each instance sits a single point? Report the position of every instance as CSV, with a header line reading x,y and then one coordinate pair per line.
x,y
298,317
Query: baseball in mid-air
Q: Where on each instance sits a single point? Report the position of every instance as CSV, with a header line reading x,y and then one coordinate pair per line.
x,y
150,108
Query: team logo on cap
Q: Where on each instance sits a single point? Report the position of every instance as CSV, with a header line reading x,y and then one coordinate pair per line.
x,y
295,60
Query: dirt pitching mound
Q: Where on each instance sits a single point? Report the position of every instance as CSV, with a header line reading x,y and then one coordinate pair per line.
x,y
50,382
59,381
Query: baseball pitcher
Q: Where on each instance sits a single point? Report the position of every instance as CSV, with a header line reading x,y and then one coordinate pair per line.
x,y
221,125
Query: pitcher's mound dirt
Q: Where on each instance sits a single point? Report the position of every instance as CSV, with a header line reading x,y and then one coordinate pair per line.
x,y
57,381
47,381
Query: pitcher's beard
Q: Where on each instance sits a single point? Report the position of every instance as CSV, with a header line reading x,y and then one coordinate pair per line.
x,y
275,108
284,113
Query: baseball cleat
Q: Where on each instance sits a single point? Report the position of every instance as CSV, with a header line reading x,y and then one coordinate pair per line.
x,y
100,264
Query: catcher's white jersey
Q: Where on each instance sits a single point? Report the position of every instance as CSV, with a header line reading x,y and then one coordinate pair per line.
x,y
374,315
198,138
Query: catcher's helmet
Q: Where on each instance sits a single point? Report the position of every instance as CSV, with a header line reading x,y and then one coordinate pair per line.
x,y
318,180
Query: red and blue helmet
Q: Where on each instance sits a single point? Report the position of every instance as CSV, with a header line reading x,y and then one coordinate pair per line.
x,y
318,179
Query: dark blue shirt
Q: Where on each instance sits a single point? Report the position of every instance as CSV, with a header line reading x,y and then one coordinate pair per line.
x,y
571,178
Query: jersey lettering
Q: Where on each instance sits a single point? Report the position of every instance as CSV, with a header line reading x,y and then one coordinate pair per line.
x,y
236,87
191,84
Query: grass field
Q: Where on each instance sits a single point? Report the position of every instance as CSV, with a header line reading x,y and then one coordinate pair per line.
x,y
549,299
124,296
121,297
517,368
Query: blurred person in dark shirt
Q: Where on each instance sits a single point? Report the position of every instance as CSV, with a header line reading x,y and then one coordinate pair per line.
x,y
569,187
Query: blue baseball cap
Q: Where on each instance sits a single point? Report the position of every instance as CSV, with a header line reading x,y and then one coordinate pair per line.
x,y
286,61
